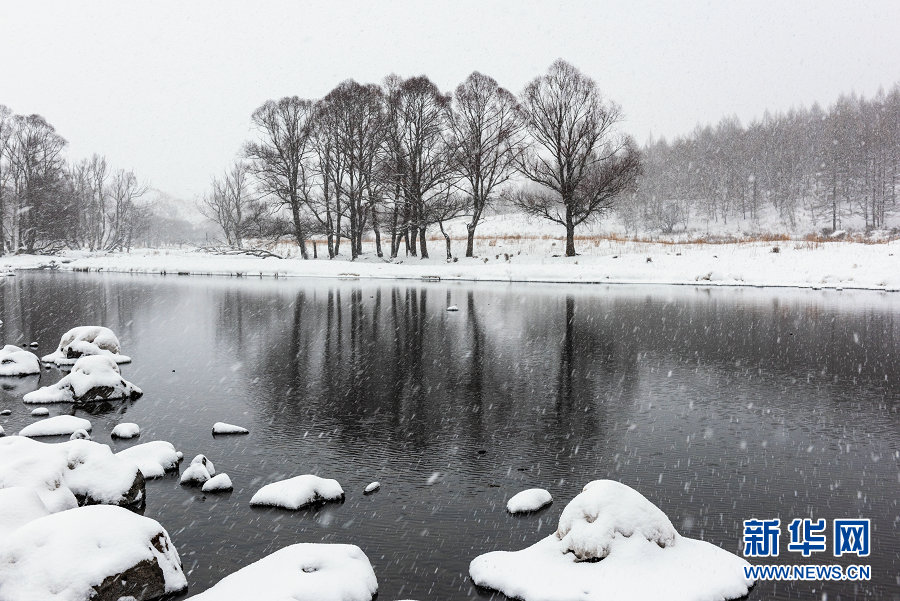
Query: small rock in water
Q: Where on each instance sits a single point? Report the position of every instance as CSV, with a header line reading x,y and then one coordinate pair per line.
x,y
40,412
200,470
80,435
529,500
223,428
453,308
372,487
61,425
33,344
220,483
195,474
126,430
5,412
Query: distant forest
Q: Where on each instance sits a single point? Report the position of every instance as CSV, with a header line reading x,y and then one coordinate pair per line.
x,y
392,161
825,165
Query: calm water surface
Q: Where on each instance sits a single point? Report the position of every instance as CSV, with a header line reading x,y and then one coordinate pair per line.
x,y
717,405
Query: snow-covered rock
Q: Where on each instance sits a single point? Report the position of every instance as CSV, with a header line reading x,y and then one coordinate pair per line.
x,y
529,500
18,362
371,487
218,483
99,553
40,412
80,434
612,543
298,492
126,430
93,378
453,308
2,433
301,572
86,340
6,412
223,428
199,471
153,458
19,505
71,473
59,425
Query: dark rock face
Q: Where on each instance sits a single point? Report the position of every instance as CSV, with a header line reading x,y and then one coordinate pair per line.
x,y
143,581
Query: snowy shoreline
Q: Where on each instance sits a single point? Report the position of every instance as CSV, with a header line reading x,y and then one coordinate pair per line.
x,y
834,265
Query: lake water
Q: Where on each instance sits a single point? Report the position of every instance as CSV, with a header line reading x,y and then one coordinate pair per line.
x,y
718,405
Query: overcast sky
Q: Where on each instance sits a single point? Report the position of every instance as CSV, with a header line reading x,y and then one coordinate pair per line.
x,y
167,88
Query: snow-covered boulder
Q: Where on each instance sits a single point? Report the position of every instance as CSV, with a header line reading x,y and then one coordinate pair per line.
x,y
613,543
298,492
68,474
98,553
223,428
301,572
18,362
153,458
218,483
529,500
86,340
198,472
371,487
40,412
93,378
80,434
125,430
60,425
19,505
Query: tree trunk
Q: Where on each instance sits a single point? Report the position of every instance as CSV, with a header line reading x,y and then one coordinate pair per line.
x,y
298,229
470,240
570,237
447,239
423,243
377,233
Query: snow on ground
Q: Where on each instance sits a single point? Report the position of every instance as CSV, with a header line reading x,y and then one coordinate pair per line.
x,y
60,425
126,430
797,263
298,492
153,458
96,551
93,378
529,500
218,483
301,572
86,340
18,362
613,543
223,428
2,432
199,471
64,473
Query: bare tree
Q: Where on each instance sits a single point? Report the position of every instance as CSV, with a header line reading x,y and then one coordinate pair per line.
x,y
230,205
6,127
350,134
487,132
40,215
422,150
579,162
278,157
125,217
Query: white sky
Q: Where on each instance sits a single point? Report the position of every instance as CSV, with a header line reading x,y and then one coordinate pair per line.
x,y
167,88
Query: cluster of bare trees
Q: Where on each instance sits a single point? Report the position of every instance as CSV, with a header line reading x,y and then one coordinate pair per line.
x,y
827,166
402,157
47,204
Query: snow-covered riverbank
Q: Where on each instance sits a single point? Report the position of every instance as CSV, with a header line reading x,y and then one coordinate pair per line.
x,y
848,265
